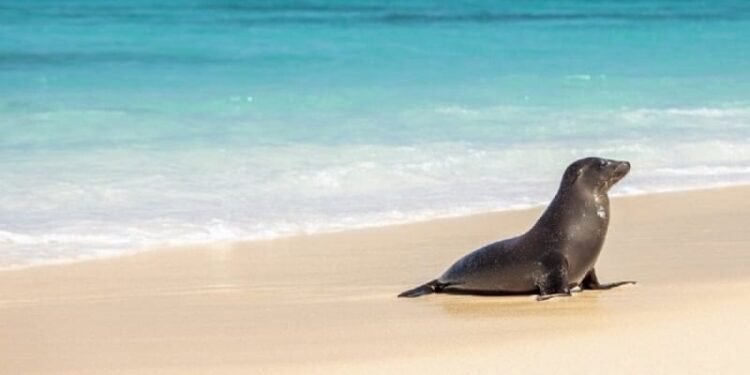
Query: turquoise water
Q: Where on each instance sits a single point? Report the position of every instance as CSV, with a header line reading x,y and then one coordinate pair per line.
x,y
131,124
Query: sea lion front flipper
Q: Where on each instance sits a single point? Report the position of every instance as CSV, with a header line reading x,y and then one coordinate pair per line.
x,y
614,285
555,282
591,282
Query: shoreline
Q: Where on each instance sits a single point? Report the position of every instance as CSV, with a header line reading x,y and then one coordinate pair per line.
x,y
234,242
326,303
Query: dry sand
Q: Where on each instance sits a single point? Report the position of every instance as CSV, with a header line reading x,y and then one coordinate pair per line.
x,y
326,303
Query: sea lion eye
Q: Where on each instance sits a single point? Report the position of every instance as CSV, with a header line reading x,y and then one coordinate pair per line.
x,y
603,163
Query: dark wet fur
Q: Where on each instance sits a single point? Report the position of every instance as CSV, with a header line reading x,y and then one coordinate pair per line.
x,y
557,254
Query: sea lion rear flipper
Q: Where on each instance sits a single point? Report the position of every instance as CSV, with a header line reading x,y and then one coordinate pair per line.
x,y
421,290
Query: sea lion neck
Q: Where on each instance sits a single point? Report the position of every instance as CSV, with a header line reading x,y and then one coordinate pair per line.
x,y
569,204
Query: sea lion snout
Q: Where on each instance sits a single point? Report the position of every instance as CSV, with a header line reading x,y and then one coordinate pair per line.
x,y
621,168
596,174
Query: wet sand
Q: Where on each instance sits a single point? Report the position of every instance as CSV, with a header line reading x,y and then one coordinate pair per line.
x,y
326,303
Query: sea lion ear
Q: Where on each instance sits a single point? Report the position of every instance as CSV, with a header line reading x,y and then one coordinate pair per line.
x,y
572,174
579,172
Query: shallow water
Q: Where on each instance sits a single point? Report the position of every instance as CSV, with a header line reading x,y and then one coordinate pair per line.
x,y
137,123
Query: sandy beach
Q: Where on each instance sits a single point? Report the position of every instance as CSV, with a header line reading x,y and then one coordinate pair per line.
x,y
326,303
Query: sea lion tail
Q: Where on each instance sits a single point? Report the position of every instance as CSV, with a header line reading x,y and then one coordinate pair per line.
x,y
429,288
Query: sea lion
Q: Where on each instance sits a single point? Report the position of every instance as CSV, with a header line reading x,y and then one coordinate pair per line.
x,y
558,253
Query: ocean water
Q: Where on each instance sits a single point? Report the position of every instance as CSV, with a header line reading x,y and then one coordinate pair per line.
x,y
137,123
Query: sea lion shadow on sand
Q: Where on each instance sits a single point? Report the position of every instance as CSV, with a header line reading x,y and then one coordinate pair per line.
x,y
517,305
556,255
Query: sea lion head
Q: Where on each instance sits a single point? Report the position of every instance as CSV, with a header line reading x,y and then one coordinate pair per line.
x,y
595,174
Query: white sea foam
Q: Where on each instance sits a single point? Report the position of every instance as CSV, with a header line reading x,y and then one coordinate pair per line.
x,y
67,205
705,170
692,112
578,77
